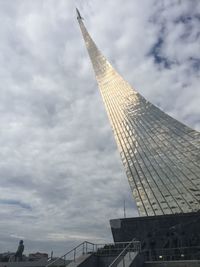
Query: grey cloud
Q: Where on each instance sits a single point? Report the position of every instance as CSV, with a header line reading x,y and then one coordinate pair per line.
x,y
14,203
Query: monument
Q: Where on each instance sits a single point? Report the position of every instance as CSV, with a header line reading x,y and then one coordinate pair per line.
x,y
161,159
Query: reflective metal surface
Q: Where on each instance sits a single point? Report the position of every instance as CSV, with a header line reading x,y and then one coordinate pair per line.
x,y
160,154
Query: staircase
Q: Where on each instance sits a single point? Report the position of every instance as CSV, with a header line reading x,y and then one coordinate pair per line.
x,y
88,254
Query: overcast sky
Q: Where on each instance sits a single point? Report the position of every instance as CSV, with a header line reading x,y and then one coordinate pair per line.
x,y
61,178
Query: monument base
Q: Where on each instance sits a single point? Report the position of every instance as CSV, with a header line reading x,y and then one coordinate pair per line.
x,y
167,235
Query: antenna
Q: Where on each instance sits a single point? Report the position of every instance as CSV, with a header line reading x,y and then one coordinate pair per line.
x,y
124,208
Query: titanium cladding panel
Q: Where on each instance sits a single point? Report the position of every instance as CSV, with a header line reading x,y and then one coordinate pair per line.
x,y
160,155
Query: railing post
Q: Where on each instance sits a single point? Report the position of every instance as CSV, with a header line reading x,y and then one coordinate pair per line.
x,y
74,254
83,247
86,247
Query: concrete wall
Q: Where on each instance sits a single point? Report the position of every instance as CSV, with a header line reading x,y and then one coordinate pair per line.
x,y
24,264
97,261
105,261
39,263
138,261
172,264
90,262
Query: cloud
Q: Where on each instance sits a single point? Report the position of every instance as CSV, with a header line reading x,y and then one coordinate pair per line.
x,y
14,203
61,175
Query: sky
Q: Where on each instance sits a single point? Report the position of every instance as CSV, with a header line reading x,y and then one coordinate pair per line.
x,y
61,177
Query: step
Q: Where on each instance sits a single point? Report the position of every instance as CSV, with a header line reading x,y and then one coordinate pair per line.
x,y
180,263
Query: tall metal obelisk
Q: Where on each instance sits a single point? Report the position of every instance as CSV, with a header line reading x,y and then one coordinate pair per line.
x,y
160,155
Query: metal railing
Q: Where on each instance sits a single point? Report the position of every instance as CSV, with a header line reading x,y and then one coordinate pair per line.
x,y
171,254
83,248
132,246
108,249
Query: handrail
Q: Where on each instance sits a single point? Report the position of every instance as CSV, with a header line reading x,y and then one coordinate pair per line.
x,y
64,256
123,251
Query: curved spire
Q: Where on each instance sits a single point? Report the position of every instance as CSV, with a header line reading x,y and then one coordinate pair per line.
x,y
160,154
